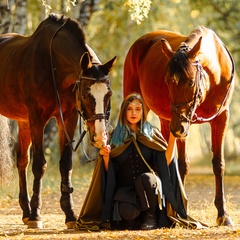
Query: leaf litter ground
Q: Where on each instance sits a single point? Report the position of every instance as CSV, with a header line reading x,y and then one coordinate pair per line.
x,y
200,190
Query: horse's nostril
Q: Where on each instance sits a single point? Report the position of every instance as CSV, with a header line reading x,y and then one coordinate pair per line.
x,y
93,138
181,129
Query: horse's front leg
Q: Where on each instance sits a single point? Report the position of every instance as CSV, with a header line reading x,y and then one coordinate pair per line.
x,y
218,130
24,140
38,169
66,200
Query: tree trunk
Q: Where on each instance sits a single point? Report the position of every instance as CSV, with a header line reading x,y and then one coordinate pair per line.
x,y
19,25
87,8
5,22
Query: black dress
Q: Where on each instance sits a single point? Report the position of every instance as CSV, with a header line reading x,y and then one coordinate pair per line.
x,y
98,207
124,170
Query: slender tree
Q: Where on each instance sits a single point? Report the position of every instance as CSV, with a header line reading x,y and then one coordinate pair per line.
x,y
87,8
5,16
20,13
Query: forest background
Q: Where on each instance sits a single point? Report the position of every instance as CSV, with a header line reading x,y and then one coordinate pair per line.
x,y
111,27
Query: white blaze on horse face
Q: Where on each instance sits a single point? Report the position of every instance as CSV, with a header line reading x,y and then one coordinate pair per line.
x,y
99,90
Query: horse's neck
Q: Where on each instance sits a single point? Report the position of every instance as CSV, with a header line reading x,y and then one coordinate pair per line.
x,y
215,57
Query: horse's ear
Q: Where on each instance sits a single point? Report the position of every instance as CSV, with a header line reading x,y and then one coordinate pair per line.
x,y
195,49
85,61
106,67
166,48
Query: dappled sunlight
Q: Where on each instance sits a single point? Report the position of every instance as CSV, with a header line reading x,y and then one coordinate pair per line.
x,y
199,188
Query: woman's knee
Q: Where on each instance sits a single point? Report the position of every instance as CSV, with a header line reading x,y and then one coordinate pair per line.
x,y
128,211
148,180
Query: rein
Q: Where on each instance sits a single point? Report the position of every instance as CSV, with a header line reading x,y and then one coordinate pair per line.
x,y
225,98
197,95
57,94
98,116
199,78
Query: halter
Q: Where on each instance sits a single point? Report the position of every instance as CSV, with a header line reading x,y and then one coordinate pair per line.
x,y
192,115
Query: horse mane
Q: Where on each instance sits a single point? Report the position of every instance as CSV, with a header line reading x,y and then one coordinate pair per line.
x,y
55,21
179,66
70,24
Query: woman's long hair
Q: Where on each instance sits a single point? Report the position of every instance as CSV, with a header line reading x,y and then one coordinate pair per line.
x,y
122,130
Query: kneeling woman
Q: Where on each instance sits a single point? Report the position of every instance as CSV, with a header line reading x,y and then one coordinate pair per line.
x,y
125,192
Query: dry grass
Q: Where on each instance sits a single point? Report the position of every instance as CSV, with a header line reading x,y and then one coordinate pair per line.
x,y
6,163
200,191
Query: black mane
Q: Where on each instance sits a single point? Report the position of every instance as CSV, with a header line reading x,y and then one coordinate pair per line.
x,y
180,68
72,25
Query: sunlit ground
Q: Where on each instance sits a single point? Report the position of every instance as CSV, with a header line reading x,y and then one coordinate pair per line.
x,y
200,189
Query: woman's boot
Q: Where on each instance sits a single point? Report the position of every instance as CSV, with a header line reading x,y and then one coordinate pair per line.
x,y
149,184
149,221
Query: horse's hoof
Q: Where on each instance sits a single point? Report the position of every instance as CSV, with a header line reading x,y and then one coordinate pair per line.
x,y
224,221
25,220
70,225
34,224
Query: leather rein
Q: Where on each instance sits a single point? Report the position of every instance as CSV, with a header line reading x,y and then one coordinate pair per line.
x,y
99,116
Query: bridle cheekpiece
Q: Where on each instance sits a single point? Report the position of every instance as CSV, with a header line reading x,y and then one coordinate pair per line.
x,y
77,88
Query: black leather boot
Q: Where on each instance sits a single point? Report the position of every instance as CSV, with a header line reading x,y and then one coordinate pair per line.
x,y
149,221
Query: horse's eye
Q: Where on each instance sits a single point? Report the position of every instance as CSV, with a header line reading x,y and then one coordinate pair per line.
x,y
84,96
191,83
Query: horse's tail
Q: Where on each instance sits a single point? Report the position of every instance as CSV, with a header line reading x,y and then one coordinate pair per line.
x,y
6,162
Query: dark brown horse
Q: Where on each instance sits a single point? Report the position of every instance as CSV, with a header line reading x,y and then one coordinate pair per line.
x,y
38,78
185,80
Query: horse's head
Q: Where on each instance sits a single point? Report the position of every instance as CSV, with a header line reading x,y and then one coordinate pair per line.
x,y
186,84
93,98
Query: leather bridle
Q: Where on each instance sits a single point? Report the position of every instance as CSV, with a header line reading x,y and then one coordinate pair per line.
x,y
195,102
78,89
99,116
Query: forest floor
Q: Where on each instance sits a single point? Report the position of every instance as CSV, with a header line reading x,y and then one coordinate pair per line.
x,y
200,190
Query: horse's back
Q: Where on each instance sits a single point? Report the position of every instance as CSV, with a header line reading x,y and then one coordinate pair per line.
x,y
10,39
11,50
145,68
12,54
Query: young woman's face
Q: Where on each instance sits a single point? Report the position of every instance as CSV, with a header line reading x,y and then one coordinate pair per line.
x,y
134,112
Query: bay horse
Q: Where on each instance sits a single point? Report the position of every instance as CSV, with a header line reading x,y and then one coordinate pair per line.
x,y
185,80
52,73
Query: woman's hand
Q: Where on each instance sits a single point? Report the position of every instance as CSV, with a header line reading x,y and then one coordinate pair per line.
x,y
170,152
105,152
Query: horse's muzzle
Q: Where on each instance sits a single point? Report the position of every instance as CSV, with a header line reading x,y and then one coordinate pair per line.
x,y
180,130
99,141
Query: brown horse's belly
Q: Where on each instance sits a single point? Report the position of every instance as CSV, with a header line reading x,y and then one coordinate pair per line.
x,y
15,112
